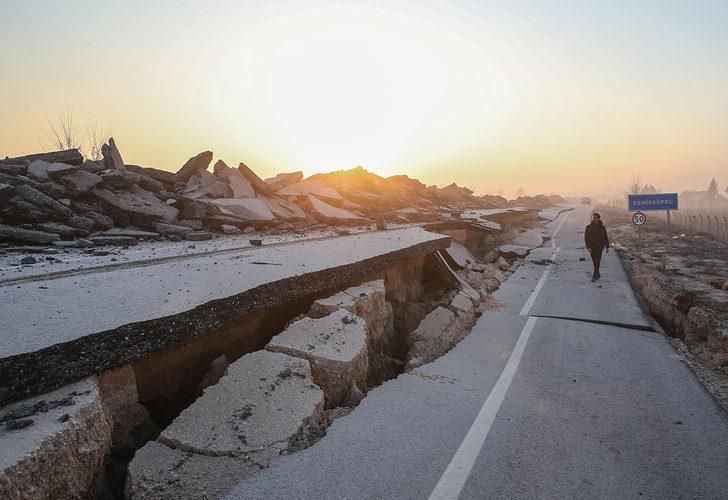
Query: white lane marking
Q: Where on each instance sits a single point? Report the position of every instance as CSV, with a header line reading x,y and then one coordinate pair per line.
x,y
453,479
558,228
532,298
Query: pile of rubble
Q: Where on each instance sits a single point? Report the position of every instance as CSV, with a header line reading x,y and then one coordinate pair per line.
x,y
62,199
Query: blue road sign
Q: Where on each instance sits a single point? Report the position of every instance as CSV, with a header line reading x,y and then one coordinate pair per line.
x,y
644,202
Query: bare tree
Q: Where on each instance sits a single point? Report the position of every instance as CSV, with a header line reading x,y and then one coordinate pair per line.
x,y
635,187
64,132
713,189
95,141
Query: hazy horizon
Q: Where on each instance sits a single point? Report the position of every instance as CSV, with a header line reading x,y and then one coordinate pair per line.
x,y
561,97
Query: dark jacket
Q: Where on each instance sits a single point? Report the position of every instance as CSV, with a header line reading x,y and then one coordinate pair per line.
x,y
595,236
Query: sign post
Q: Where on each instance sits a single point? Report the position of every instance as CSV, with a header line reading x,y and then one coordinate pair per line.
x,y
644,202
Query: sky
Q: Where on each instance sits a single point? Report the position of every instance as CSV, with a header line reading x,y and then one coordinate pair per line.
x,y
549,96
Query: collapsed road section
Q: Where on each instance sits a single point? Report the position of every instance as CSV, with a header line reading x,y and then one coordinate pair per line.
x,y
175,378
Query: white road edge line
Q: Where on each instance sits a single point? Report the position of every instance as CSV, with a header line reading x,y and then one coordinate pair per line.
x,y
532,298
453,480
455,476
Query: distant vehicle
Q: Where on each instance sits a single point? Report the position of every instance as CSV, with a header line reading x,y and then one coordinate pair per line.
x,y
586,200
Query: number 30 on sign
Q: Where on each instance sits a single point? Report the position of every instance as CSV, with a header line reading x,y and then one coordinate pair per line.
x,y
638,219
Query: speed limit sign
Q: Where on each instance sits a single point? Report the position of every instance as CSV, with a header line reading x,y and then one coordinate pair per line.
x,y
639,219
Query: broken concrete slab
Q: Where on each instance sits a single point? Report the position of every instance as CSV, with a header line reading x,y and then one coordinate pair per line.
x,y
130,232
252,209
112,156
12,233
205,185
263,402
136,207
80,182
285,210
119,241
193,166
368,301
43,171
11,169
173,229
228,229
162,473
59,449
163,176
119,178
240,186
198,236
283,180
61,229
70,156
513,251
100,221
460,254
463,304
330,214
6,192
336,346
260,186
433,337
305,188
43,202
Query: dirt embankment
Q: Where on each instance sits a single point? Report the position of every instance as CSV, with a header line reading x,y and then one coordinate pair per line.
x,y
683,281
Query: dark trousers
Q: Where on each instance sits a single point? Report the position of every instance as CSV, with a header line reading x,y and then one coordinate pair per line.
x,y
596,255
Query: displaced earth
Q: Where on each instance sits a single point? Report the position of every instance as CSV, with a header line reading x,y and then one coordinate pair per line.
x,y
195,327
65,201
682,279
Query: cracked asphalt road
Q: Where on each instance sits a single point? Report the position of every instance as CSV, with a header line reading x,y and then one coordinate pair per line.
x,y
528,407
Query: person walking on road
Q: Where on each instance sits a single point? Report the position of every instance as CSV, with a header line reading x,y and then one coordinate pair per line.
x,y
596,240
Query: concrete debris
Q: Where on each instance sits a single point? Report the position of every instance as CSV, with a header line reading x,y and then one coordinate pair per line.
x,y
63,187
175,229
60,453
123,241
112,156
129,232
79,182
367,301
198,236
159,472
330,214
336,346
61,229
20,235
240,186
42,171
135,207
206,185
258,184
265,401
193,166
440,331
119,178
251,209
227,229
69,156
283,180
305,188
